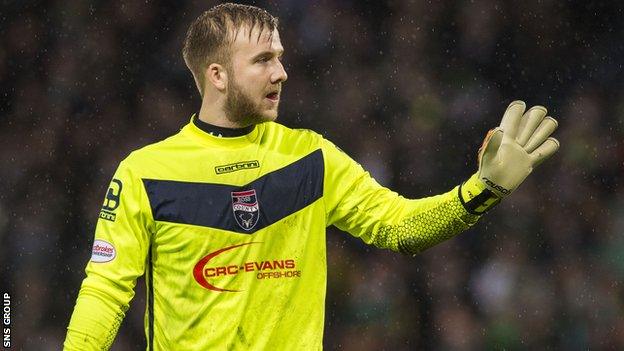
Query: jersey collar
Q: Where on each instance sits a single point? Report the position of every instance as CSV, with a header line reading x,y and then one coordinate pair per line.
x,y
221,131
194,132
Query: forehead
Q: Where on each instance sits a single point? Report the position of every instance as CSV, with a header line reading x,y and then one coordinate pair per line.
x,y
246,43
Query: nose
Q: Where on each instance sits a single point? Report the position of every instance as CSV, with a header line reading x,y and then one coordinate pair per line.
x,y
279,74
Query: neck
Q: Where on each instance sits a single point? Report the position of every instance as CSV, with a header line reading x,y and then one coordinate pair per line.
x,y
212,112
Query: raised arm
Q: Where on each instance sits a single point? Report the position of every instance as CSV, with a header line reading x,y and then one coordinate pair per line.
x,y
356,203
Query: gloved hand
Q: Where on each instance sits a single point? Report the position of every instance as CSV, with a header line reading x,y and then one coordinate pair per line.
x,y
508,155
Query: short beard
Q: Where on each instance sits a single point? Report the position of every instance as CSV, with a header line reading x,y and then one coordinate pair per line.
x,y
240,108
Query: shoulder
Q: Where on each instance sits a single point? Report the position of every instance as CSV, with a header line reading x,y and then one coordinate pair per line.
x,y
303,141
158,150
297,136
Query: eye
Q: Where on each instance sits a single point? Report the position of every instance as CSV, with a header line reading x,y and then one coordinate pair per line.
x,y
264,59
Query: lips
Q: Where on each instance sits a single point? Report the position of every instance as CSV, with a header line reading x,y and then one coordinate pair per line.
x,y
273,96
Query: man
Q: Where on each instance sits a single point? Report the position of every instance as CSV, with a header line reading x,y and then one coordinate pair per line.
x,y
227,218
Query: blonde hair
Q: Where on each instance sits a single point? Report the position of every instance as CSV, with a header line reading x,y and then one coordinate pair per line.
x,y
210,36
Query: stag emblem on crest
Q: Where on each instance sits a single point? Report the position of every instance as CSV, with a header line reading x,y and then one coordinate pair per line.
x,y
246,208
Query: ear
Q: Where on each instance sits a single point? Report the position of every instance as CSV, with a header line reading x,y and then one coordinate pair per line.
x,y
217,76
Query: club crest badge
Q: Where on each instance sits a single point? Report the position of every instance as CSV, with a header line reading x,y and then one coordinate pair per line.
x,y
246,208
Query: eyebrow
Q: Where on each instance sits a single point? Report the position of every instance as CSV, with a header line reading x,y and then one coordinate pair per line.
x,y
279,52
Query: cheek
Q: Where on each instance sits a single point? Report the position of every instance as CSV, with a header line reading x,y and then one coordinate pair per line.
x,y
250,85
255,77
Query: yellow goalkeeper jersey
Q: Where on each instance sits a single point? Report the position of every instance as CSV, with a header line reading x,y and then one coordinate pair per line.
x,y
230,234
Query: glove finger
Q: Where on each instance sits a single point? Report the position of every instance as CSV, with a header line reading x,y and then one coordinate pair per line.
x,y
530,121
490,145
544,151
545,129
512,117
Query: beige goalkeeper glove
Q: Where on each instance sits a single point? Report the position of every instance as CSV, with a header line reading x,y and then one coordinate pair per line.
x,y
508,155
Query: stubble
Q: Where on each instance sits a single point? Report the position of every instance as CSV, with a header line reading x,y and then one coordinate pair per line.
x,y
241,109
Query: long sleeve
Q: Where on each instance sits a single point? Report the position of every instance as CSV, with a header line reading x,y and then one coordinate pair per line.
x,y
119,256
357,204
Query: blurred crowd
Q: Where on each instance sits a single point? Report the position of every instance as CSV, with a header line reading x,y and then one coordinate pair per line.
x,y
408,89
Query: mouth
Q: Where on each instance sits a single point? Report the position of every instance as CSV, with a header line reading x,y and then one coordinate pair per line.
x,y
273,96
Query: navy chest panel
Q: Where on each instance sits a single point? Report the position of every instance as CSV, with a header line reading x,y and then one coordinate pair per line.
x,y
245,209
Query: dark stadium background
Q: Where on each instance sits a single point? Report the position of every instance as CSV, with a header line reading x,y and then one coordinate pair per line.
x,y
409,89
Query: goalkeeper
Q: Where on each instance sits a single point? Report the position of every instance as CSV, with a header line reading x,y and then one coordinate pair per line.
x,y
226,219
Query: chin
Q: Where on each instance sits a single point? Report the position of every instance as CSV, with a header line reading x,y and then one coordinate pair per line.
x,y
269,116
261,118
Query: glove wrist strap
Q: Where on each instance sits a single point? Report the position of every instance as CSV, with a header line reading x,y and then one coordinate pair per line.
x,y
476,198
